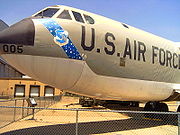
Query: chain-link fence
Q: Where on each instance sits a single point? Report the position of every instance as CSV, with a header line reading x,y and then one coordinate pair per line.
x,y
9,115
94,121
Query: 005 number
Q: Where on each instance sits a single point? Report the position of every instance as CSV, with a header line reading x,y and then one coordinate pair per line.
x,y
13,48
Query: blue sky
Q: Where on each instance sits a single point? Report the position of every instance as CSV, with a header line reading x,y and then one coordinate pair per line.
x,y
160,17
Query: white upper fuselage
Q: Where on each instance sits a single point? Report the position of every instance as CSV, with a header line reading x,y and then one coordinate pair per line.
x,y
103,59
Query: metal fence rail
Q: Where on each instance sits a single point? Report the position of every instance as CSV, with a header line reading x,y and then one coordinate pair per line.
x,y
98,121
19,110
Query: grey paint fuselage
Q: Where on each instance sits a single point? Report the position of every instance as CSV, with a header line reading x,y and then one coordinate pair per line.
x,y
119,62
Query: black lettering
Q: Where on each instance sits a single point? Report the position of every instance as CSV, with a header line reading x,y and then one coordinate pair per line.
x,y
112,51
19,49
12,48
162,57
175,56
127,50
135,49
141,51
5,48
168,58
84,46
154,53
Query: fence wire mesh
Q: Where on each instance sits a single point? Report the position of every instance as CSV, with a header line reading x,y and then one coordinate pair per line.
x,y
9,115
93,122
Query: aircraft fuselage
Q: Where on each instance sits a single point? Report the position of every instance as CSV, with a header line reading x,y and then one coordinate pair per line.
x,y
106,60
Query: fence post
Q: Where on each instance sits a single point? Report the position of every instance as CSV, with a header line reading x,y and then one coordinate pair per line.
x,y
39,103
33,113
51,100
44,102
54,100
15,111
23,109
76,122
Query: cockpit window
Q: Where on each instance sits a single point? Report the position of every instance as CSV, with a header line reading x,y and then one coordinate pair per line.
x,y
65,15
89,19
125,25
47,12
78,16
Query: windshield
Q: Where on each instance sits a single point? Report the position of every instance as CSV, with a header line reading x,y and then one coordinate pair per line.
x,y
47,12
78,16
65,15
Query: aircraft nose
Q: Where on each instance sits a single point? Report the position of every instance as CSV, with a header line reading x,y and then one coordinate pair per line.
x,y
21,33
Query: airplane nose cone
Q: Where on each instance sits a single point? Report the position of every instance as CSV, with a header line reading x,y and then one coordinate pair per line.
x,y
21,33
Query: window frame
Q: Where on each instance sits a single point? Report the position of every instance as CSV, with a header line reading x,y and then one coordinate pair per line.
x,y
71,18
81,16
58,9
15,89
86,19
48,87
38,92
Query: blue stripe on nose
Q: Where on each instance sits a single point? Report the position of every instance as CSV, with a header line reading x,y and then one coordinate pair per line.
x,y
61,38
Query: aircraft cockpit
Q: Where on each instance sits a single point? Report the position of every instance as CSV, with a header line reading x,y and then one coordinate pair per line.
x,y
49,12
63,13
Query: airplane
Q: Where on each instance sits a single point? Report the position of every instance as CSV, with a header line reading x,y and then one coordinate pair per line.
x,y
94,56
3,25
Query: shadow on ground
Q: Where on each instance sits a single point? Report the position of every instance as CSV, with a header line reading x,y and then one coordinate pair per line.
x,y
94,127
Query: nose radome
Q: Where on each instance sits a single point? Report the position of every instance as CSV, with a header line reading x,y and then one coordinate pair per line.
x,y
21,33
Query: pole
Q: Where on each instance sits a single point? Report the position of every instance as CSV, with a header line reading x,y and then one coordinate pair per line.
x,y
77,122
33,114
44,102
15,111
23,109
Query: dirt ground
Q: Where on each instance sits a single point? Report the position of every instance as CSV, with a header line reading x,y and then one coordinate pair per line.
x,y
105,123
